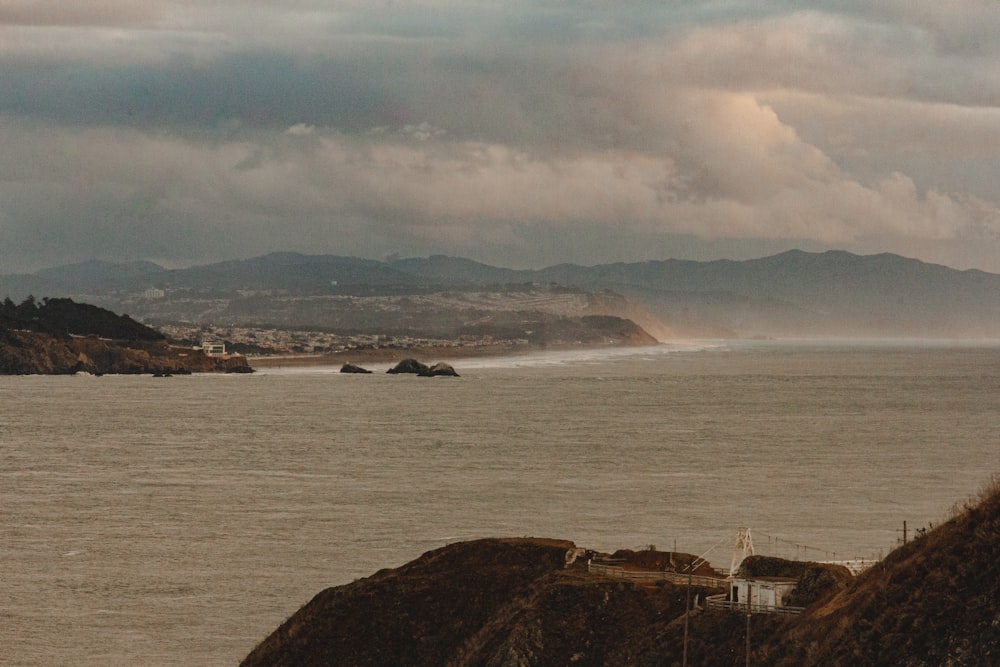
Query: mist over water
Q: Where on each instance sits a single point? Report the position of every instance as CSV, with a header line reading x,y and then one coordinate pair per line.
x,y
179,521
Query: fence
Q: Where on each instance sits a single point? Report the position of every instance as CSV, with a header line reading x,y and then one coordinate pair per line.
x,y
720,602
651,577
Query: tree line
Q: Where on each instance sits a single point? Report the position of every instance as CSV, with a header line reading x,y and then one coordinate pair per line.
x,y
61,316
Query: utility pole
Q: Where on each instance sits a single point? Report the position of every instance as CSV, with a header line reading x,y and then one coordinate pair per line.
x,y
748,628
687,612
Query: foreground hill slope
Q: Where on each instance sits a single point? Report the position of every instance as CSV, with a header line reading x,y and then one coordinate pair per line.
x,y
934,601
487,602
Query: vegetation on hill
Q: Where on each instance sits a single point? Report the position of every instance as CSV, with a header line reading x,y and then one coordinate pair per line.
x,y
933,601
66,317
59,336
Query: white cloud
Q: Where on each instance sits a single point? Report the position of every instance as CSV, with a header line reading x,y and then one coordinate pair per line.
x,y
300,130
452,124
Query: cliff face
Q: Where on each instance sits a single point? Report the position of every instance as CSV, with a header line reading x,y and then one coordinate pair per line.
x,y
34,353
934,601
59,337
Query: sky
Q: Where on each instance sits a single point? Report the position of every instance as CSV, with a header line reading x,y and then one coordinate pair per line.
x,y
520,133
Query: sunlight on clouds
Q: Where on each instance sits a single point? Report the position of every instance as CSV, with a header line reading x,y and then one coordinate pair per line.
x,y
462,122
768,183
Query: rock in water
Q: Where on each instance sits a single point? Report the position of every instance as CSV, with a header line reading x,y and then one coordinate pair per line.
x,y
351,368
440,368
409,366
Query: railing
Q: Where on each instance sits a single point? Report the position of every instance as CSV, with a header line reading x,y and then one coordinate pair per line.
x,y
855,565
717,601
651,577
720,602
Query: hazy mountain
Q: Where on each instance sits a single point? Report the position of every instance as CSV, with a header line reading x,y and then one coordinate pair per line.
x,y
444,270
102,276
290,271
791,294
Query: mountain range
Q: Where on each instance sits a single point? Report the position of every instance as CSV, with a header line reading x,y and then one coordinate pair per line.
x,y
794,293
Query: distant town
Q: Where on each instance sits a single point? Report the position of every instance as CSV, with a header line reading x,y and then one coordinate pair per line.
x,y
254,341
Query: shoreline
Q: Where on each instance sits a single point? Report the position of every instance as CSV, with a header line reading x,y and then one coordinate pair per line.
x,y
429,353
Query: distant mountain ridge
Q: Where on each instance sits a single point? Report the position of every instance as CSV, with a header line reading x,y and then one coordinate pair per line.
x,y
794,293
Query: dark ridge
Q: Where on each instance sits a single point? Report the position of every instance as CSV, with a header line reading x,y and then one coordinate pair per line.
x,y
66,317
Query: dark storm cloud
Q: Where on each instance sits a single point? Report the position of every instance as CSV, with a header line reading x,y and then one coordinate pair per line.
x,y
259,89
191,131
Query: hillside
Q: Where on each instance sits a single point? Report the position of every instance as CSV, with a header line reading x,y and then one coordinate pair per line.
x,y
934,601
488,602
540,315
792,293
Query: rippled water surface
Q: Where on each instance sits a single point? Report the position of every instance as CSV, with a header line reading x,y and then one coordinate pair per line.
x,y
180,520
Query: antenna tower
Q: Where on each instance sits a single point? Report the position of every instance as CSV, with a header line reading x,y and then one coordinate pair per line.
x,y
744,548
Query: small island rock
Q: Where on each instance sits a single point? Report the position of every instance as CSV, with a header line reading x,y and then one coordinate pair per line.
x,y
440,369
351,368
409,366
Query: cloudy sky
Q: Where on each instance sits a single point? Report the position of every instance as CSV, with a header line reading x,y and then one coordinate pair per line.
x,y
521,133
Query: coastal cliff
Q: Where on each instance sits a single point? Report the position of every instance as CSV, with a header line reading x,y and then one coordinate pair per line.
x,y
60,337
501,602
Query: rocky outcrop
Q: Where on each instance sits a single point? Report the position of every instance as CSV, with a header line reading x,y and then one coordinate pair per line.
x,y
28,353
414,367
411,366
351,368
440,369
61,337
34,353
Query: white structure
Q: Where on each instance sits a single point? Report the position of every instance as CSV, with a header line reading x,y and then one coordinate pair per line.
x,y
213,348
764,594
744,548
154,293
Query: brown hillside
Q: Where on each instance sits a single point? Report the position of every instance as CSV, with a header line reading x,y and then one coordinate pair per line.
x,y
487,602
934,601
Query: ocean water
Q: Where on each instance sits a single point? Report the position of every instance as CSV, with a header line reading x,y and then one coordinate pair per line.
x,y
178,521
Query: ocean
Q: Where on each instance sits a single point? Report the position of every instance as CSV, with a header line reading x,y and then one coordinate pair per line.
x,y
178,521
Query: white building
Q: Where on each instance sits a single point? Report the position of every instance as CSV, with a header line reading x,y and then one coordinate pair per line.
x,y
213,348
763,593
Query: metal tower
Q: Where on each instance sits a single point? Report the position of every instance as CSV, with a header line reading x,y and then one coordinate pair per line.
x,y
744,548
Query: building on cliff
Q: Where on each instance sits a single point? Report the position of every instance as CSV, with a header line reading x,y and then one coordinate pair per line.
x,y
213,348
